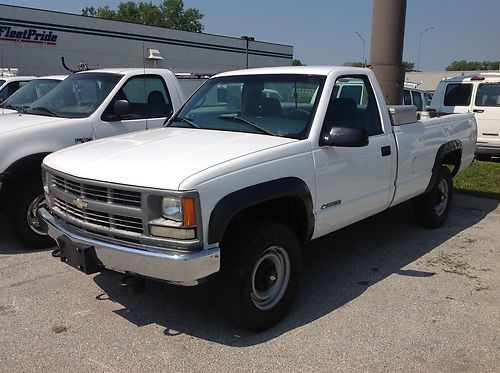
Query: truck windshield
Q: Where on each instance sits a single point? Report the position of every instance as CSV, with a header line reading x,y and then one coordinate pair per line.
x,y
77,96
30,92
270,104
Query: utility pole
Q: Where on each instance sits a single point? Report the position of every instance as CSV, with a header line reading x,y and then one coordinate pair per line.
x,y
386,53
422,33
363,42
248,39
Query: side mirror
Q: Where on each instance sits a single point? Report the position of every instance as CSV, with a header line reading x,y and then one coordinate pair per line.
x,y
345,137
121,108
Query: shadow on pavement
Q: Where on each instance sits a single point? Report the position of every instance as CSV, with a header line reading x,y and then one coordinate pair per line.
x,y
337,269
9,244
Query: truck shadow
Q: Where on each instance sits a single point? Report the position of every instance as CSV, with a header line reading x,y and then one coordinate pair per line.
x,y
337,269
9,244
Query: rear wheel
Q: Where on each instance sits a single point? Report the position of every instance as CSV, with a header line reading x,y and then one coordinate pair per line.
x,y
259,274
432,208
23,205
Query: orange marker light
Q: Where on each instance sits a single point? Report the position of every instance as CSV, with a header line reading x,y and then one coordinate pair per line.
x,y
188,212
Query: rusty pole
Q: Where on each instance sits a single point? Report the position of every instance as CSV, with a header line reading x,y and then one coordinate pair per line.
x,y
386,51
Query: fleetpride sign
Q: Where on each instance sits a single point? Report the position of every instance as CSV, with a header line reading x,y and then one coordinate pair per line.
x,y
27,35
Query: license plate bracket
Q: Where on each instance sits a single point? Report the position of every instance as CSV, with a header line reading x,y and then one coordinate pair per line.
x,y
81,257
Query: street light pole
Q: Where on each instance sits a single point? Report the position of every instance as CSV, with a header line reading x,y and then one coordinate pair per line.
x,y
362,41
422,33
247,39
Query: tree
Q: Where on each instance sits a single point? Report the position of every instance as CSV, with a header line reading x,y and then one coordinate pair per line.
x,y
297,62
354,64
407,65
169,14
464,65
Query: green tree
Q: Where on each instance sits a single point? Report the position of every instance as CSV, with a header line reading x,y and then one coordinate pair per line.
x,y
353,64
297,62
464,65
169,14
409,66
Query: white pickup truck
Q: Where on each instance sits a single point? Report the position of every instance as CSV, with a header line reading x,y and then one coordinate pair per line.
x,y
85,106
255,164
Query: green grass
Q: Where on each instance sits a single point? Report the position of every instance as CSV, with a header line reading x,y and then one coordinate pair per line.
x,y
481,179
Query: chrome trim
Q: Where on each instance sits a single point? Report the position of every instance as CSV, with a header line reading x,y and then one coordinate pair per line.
x,y
186,269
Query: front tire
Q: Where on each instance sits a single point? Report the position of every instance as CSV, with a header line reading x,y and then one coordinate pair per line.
x,y
432,208
259,275
23,205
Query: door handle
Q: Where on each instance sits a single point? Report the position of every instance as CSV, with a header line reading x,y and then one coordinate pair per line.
x,y
385,150
478,111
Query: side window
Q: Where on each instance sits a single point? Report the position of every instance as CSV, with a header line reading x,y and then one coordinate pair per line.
x,y
458,94
406,97
359,110
417,100
147,95
488,95
428,100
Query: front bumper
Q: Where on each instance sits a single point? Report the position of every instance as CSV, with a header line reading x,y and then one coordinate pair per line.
x,y
186,269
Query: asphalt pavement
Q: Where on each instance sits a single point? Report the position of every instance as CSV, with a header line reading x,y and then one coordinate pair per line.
x,y
381,295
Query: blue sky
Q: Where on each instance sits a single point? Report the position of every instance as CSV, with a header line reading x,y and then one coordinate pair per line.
x,y
323,32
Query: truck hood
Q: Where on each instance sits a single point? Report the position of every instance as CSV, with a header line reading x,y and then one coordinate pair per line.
x,y
17,122
160,158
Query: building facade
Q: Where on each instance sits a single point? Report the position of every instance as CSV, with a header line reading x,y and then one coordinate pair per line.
x,y
34,41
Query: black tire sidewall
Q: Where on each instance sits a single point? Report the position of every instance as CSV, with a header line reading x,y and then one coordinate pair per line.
x,y
236,277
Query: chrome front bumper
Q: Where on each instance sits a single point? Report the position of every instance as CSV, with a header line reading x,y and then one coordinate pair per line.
x,y
185,269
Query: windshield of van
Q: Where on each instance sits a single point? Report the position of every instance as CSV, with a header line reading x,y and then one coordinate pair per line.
x,y
30,92
77,96
270,104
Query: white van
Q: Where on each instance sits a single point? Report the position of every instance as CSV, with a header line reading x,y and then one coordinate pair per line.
x,y
479,94
414,96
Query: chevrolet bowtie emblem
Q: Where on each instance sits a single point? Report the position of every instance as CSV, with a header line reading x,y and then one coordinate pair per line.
x,y
80,203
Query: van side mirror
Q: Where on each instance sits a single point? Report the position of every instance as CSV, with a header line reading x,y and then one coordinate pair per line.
x,y
121,108
345,137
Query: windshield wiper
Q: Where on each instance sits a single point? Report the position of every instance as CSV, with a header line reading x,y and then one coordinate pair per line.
x,y
184,120
248,122
9,107
47,110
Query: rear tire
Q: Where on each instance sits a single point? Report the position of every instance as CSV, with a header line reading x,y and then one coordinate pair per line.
x,y
22,212
259,275
432,208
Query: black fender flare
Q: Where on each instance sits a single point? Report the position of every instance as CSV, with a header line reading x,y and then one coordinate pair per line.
x,y
232,204
443,151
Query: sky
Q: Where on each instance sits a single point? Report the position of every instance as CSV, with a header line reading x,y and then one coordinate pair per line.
x,y
324,32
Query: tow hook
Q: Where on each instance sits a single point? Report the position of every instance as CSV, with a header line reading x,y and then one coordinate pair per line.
x,y
133,284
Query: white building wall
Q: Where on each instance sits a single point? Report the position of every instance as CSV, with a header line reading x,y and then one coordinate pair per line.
x,y
103,43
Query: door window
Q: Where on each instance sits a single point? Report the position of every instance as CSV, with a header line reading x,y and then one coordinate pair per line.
x,y
488,94
148,98
417,100
353,110
406,97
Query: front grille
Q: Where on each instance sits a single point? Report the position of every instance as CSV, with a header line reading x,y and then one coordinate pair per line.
x,y
102,219
98,193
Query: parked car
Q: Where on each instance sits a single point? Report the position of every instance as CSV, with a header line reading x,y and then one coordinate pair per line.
x,y
10,84
478,94
414,96
30,92
232,190
86,106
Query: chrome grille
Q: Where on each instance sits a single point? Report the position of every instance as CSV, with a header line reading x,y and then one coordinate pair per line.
x,y
102,219
98,193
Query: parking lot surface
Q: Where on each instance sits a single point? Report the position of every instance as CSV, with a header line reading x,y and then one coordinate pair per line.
x,y
381,295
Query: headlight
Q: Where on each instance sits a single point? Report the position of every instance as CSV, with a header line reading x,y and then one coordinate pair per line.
x,y
172,208
178,219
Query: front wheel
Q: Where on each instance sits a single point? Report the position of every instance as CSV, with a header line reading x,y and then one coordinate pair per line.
x,y
432,208
23,205
259,275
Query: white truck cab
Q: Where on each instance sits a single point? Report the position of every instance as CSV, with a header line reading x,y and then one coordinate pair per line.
x,y
478,94
255,164
86,106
